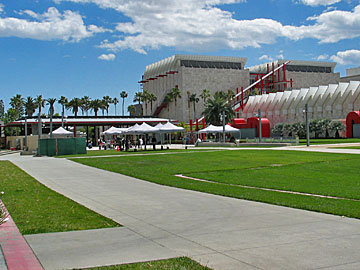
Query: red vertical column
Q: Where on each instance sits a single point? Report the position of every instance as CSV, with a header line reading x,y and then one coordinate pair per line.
x,y
237,92
197,124
242,97
262,84
273,76
284,75
203,126
278,75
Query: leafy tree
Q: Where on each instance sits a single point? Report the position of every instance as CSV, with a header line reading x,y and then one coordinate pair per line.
x,y
131,109
123,95
336,127
287,130
175,94
74,104
2,109
115,101
10,116
278,129
145,98
325,126
315,127
299,129
214,107
205,94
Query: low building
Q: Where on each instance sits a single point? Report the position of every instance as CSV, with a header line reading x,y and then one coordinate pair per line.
x,y
352,74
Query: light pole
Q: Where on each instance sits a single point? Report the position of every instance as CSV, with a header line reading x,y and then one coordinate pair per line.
x,y
223,123
307,126
260,132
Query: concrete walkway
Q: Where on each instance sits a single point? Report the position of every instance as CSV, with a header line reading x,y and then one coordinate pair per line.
x,y
163,222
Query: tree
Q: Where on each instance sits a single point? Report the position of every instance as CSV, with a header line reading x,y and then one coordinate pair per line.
x,y
336,127
324,125
194,99
106,103
145,98
40,103
138,98
168,98
85,104
123,95
278,129
17,103
63,101
115,101
95,106
30,106
205,94
152,98
315,126
74,104
131,109
51,102
214,107
175,94
2,109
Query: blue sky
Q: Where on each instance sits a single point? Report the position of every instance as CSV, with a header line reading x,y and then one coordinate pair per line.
x,y
101,47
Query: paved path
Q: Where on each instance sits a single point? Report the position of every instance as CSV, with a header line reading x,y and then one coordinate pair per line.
x,y
161,222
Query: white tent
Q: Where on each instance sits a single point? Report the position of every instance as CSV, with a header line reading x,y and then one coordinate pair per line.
x,y
115,131
62,132
169,127
218,129
142,129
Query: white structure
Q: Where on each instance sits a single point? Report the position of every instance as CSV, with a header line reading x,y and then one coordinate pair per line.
x,y
333,101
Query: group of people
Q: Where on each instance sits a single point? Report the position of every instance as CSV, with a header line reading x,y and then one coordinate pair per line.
x,y
124,143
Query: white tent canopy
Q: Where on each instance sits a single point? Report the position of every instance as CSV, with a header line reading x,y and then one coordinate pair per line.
x,y
218,129
115,131
169,127
61,131
142,129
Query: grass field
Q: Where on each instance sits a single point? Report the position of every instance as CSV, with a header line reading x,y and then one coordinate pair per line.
x,y
37,209
335,175
182,263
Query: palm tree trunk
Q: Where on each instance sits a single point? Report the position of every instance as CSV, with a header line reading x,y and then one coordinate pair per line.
x,y
62,116
123,103
51,122
25,142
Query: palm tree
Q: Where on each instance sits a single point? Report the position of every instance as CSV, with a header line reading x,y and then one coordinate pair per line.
x,y
51,102
85,104
336,127
175,93
63,101
145,98
30,107
194,99
138,98
17,103
95,105
123,95
40,103
131,109
214,107
103,106
107,101
152,98
168,98
205,94
115,101
74,104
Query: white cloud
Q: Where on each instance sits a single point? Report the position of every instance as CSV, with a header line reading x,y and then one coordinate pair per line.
x,y
347,57
322,57
265,57
107,57
280,56
51,25
320,2
329,27
193,25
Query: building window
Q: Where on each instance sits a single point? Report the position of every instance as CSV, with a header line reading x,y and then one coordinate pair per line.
x,y
317,69
210,64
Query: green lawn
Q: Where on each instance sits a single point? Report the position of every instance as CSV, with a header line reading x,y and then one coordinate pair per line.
x,y
182,263
335,175
329,141
97,153
37,209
